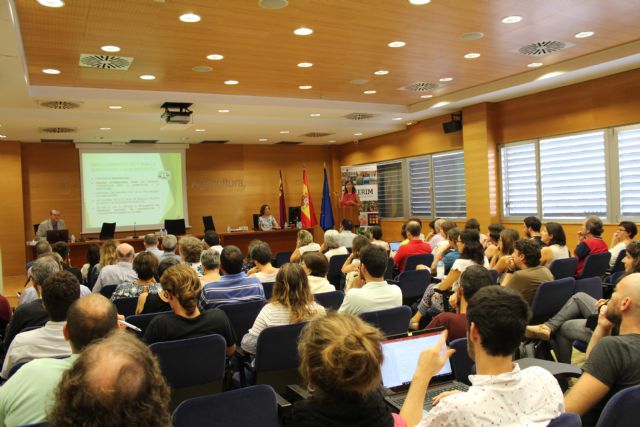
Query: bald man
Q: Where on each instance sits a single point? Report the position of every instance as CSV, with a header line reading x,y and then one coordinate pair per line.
x,y
119,273
612,361
54,222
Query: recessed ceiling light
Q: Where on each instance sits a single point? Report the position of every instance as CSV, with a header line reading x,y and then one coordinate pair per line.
x,y
550,75
263,140
215,57
190,17
202,69
51,71
535,65
305,87
446,79
511,19
231,82
440,104
315,114
419,2
284,131
472,55
397,44
584,34
426,96
357,134
115,107
369,92
303,31
51,3
331,141
105,128
224,110
381,72
200,130
397,118
148,77
110,48
3,136
305,65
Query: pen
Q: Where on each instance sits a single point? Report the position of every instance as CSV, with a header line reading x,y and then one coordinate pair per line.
x,y
130,326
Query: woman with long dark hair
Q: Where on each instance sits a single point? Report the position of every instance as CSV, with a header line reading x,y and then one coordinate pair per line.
x,y
552,235
350,197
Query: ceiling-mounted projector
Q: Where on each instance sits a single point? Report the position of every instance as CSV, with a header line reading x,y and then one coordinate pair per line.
x,y
176,113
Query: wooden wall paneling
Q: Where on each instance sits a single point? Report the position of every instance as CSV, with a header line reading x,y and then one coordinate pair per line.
x,y
12,242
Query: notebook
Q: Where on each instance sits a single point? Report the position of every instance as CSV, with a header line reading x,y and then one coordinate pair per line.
x,y
394,246
401,354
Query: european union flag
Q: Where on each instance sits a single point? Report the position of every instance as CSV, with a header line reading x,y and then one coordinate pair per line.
x,y
326,211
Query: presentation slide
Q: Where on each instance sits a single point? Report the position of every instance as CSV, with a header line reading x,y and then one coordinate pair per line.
x,y
141,189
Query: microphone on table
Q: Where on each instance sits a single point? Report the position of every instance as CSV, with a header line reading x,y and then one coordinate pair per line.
x,y
135,236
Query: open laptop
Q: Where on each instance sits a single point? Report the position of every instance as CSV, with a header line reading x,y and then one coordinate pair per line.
x,y
401,354
54,236
393,246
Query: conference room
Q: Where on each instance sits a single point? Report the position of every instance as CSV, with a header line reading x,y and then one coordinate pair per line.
x,y
140,111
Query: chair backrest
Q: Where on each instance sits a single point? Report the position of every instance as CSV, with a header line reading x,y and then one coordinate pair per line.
x,y
565,267
619,265
268,289
242,315
230,409
567,419
282,258
494,276
591,286
463,366
549,299
126,306
143,320
335,275
621,410
207,221
330,300
193,366
108,290
390,321
388,273
177,227
256,222
413,260
596,265
108,230
413,283
277,358
35,228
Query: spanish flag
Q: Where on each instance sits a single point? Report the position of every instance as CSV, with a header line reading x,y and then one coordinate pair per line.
x,y
308,215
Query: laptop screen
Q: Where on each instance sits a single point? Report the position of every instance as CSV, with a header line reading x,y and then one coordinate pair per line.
x,y
394,246
401,358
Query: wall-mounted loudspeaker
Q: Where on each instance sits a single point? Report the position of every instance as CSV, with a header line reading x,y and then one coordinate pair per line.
x,y
454,125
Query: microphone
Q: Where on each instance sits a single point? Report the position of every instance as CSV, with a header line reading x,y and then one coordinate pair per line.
x,y
135,236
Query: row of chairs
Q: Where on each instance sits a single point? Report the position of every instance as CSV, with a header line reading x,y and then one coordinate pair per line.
x,y
595,265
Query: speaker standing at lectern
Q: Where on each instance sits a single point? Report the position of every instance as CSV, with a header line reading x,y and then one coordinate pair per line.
x,y
54,222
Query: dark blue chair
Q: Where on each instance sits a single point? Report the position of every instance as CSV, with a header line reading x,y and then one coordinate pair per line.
x,y
335,276
282,258
413,284
330,300
619,265
567,419
595,265
463,365
591,286
391,321
126,306
242,315
193,367
268,289
562,268
250,406
108,290
413,260
614,278
549,299
388,273
494,276
143,320
622,409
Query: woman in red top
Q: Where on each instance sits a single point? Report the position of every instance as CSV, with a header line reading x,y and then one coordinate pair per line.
x,y
350,197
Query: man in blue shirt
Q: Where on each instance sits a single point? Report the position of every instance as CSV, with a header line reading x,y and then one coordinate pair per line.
x,y
234,287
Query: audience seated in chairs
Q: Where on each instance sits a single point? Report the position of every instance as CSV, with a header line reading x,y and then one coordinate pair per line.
x,y
26,396
210,262
474,224
624,235
212,240
150,243
590,241
504,252
157,302
571,323
120,272
340,358
448,255
316,266
190,250
263,270
444,244
182,288
41,248
414,246
331,245
145,265
491,244
62,249
115,382
351,264
292,302
91,269
346,233
552,235
375,293
501,393
532,227
612,361
376,236
474,278
169,245
59,291
304,243
525,273
234,286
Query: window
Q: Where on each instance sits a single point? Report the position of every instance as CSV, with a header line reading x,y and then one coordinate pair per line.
x,y
390,190
519,180
449,185
420,186
629,159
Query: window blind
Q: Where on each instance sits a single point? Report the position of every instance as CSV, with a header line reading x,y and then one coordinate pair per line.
x,y
629,159
420,187
449,185
390,190
519,180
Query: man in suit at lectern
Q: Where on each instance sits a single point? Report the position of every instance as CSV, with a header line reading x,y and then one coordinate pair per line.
x,y
54,222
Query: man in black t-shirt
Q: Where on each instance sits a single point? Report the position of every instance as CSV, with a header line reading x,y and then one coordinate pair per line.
x,y
612,361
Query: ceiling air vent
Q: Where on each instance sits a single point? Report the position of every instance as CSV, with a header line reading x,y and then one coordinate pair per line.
x,y
316,134
543,48
358,116
60,105
143,141
214,141
420,87
57,130
109,62
289,143
57,141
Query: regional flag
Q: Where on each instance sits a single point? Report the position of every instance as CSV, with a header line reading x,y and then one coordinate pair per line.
x,y
326,211
281,204
308,215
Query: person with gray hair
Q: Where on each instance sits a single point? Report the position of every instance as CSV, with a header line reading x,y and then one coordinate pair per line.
x,y
210,260
304,243
590,241
332,244
151,245
121,272
169,244
437,236
42,247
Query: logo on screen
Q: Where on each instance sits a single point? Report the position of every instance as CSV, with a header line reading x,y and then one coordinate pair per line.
x,y
164,175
